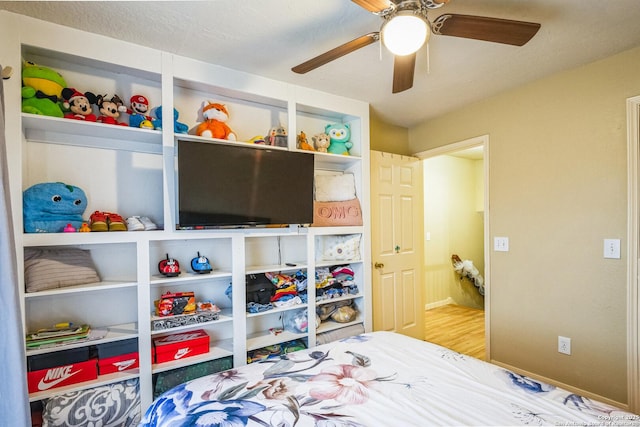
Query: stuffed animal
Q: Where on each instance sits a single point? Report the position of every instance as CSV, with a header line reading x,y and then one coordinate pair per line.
x,y
321,142
177,126
214,125
109,109
41,90
50,206
258,139
139,108
80,105
303,144
340,136
277,137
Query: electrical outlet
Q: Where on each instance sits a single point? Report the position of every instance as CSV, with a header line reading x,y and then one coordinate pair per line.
x,y
564,345
501,244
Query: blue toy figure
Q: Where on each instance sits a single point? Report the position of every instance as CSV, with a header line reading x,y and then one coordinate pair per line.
x,y
340,136
177,126
49,207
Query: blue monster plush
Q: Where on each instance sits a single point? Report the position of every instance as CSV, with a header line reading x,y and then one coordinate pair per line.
x,y
177,126
340,136
48,207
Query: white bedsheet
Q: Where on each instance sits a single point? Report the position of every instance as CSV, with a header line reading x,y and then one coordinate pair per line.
x,y
376,379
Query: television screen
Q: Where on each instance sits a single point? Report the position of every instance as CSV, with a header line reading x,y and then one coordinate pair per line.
x,y
224,185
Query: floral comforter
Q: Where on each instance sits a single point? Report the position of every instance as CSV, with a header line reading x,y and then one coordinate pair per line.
x,y
375,379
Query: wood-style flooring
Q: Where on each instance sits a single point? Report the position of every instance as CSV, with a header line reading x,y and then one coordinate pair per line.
x,y
458,328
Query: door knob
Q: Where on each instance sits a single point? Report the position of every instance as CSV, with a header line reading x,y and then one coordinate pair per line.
x,y
378,265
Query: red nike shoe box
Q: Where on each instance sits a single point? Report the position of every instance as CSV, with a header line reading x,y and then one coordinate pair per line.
x,y
173,347
60,376
122,362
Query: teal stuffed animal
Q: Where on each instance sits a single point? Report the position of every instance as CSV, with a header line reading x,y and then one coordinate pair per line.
x,y
177,126
50,206
340,137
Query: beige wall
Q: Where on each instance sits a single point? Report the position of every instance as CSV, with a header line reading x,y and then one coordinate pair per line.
x,y
386,137
454,227
557,189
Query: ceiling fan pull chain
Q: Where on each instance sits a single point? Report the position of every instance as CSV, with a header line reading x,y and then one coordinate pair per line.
x,y
428,60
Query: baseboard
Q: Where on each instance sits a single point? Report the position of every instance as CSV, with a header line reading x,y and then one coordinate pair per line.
x,y
440,303
567,387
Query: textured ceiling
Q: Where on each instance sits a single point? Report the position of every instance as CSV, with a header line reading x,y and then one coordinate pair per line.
x,y
268,37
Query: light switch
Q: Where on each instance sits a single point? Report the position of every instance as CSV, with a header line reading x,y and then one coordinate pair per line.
x,y
501,244
612,248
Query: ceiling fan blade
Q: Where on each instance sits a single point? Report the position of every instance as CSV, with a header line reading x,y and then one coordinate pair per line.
x,y
403,68
336,53
496,30
373,5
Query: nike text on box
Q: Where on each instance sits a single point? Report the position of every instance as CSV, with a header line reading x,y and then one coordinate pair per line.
x,y
174,347
60,376
122,362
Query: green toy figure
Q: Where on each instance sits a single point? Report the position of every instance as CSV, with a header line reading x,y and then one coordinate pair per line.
x,y
41,90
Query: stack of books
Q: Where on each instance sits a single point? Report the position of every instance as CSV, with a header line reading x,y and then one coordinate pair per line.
x,y
57,336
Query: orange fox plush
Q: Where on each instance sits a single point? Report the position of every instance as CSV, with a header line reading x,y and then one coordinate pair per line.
x,y
214,126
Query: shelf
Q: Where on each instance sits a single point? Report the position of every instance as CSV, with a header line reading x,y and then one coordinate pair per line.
x,y
330,325
196,138
225,316
256,269
102,380
56,130
158,279
259,340
99,286
217,350
277,310
338,162
90,238
325,231
334,300
336,262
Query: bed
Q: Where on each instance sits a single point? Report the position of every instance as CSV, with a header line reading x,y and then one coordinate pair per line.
x,y
375,379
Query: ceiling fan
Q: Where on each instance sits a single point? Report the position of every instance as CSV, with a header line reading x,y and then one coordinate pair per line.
x,y
408,14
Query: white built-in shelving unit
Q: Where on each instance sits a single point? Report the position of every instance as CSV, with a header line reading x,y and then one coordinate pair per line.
x,y
131,171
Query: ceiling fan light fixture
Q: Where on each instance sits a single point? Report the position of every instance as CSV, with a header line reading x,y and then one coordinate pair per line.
x,y
405,32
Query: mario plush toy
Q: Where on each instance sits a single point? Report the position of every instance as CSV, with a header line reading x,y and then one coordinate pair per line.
x,y
138,117
80,105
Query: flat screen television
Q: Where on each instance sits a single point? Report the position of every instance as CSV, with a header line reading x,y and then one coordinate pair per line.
x,y
224,185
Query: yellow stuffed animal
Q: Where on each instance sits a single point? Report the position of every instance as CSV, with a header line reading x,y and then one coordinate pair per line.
x,y
303,144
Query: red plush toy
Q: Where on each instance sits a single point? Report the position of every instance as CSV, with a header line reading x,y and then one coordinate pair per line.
x,y
109,110
79,104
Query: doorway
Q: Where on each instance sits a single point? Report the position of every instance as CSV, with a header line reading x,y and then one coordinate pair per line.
x,y
456,222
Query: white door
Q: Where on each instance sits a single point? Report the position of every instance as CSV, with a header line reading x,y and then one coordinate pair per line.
x,y
397,243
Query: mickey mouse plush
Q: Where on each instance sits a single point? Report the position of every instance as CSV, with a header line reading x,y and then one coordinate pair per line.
x,y
79,104
109,109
